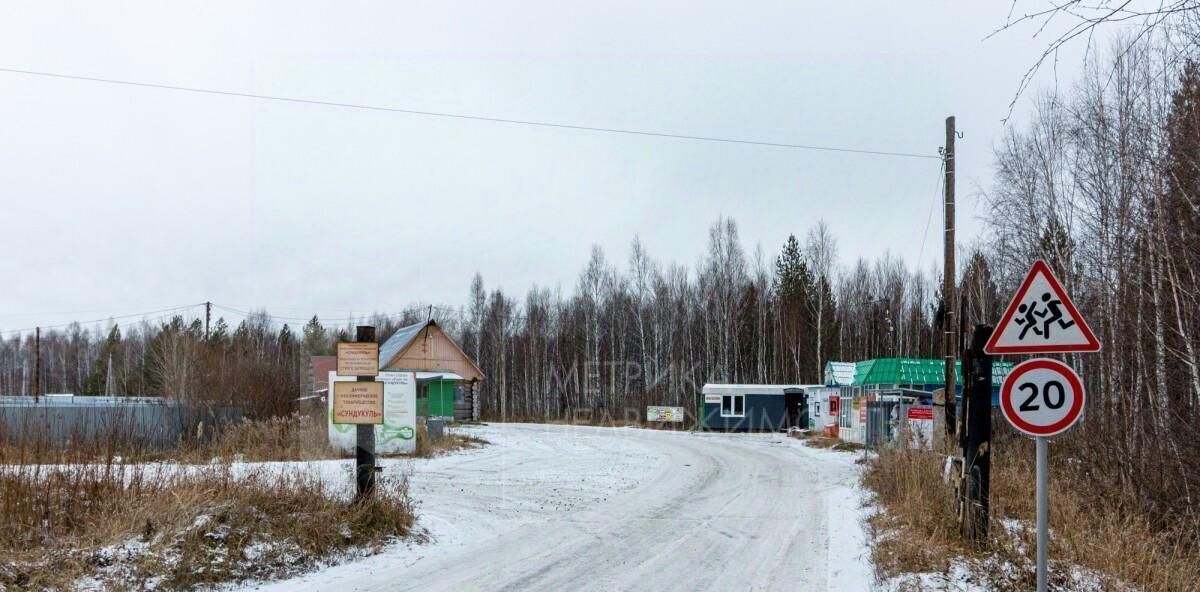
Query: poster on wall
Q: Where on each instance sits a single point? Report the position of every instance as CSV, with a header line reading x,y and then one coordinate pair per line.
x,y
920,426
398,432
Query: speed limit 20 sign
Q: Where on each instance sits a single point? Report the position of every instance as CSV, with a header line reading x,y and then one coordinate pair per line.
x,y
1042,397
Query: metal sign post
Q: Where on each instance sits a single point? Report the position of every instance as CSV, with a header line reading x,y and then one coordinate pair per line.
x,y
1043,518
1042,397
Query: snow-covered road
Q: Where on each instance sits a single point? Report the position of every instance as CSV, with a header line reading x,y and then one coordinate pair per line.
x,y
550,507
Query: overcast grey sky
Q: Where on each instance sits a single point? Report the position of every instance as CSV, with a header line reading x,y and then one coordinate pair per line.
x,y
120,199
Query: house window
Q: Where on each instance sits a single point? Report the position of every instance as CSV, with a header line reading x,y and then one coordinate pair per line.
x,y
733,405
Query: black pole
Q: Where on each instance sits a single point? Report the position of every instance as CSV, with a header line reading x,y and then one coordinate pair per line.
x,y
364,449
976,436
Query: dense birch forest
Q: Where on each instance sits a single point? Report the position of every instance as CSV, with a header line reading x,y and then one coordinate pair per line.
x,y
639,331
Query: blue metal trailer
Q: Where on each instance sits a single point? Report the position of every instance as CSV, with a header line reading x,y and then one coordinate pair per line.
x,y
754,407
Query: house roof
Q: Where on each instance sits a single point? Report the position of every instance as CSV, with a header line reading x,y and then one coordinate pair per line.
x,y
398,341
839,373
423,376
753,389
916,371
404,337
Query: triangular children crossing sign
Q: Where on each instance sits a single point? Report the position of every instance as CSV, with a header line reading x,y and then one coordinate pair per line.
x,y
1041,319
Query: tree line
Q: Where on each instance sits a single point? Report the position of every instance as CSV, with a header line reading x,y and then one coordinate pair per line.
x,y
647,333
629,335
259,365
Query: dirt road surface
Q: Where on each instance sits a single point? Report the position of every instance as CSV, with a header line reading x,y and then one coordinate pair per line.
x,y
551,507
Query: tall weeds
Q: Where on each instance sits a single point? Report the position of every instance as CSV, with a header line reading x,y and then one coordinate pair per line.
x,y
1119,544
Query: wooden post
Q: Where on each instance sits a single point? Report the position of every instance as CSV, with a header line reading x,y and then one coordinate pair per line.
x,y
939,415
976,437
364,449
950,322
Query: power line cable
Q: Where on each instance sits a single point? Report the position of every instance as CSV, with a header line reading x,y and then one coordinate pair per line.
x,y
929,217
273,317
165,313
110,318
448,115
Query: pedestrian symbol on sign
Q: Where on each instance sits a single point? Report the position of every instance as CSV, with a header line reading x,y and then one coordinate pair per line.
x,y
1041,319
1031,316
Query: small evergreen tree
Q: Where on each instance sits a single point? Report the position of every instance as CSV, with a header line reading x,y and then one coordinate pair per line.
x,y
97,381
316,339
794,289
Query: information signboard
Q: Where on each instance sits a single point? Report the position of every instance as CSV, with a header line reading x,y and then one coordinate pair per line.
x,y
358,402
358,359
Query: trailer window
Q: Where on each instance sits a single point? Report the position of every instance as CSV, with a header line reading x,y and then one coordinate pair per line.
x,y
733,405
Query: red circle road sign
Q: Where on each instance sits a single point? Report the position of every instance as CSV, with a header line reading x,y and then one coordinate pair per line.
x,y
1042,397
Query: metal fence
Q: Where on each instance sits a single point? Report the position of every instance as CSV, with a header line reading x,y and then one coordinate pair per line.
x,y
883,423
135,421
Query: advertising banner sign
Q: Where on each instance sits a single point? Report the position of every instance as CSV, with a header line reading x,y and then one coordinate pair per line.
x,y
667,414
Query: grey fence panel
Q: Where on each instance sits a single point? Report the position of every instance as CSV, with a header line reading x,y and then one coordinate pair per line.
x,y
139,421
882,426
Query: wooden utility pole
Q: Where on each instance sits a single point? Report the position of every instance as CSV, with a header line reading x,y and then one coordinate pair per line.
x,y
207,317
364,449
37,365
950,318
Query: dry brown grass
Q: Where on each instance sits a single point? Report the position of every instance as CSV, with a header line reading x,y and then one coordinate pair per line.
x,y
916,530
192,516
296,437
822,441
178,526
